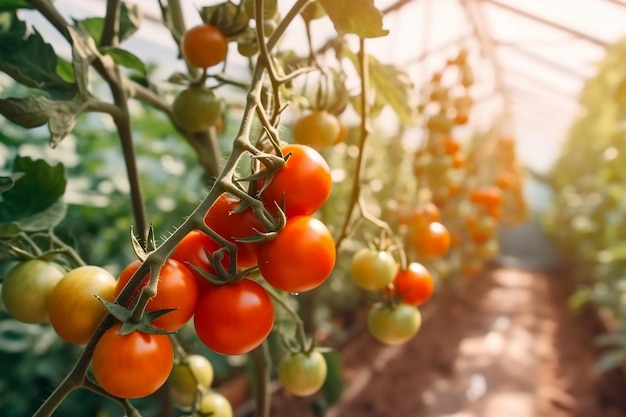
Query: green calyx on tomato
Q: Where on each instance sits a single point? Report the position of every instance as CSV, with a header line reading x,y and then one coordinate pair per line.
x,y
393,325
27,287
302,374
196,109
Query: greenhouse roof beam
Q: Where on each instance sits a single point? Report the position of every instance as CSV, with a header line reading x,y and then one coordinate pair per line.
x,y
547,62
547,22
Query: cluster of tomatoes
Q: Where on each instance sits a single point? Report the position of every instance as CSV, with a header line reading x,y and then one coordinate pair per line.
x,y
396,319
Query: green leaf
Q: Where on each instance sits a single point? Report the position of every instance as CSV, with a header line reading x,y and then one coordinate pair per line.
x,y
130,20
126,59
31,61
360,17
334,385
393,86
44,220
34,111
611,360
129,23
66,71
8,230
41,186
12,5
7,182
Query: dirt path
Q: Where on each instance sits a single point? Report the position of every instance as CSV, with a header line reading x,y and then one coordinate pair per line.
x,y
503,345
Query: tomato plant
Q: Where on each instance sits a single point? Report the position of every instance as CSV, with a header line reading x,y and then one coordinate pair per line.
x,y
233,319
74,310
302,373
300,258
303,184
132,365
373,269
27,287
317,129
189,373
204,46
413,285
196,108
176,289
393,325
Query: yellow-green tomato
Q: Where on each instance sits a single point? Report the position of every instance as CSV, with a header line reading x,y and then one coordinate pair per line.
x,y
189,373
26,289
74,310
216,405
373,269
196,109
394,325
302,374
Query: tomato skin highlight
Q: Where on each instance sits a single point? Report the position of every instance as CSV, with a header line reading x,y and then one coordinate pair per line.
x,y
204,46
177,288
300,257
133,365
373,269
393,325
302,374
304,182
75,312
27,287
414,285
233,319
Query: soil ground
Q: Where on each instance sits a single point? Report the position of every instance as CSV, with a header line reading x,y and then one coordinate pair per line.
x,y
501,344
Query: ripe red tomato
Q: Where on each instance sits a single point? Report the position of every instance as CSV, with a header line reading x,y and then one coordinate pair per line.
x,y
373,269
193,249
133,365
26,288
301,256
414,285
235,225
304,182
318,129
75,312
233,319
393,325
204,46
432,241
177,288
302,374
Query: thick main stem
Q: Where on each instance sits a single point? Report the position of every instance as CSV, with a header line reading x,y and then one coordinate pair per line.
x,y
261,361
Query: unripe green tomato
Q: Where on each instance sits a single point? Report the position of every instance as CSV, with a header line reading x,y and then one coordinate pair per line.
x,y
216,405
196,109
248,48
302,374
394,325
373,269
26,288
188,374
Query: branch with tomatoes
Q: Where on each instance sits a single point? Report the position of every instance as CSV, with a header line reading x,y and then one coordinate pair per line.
x,y
263,235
